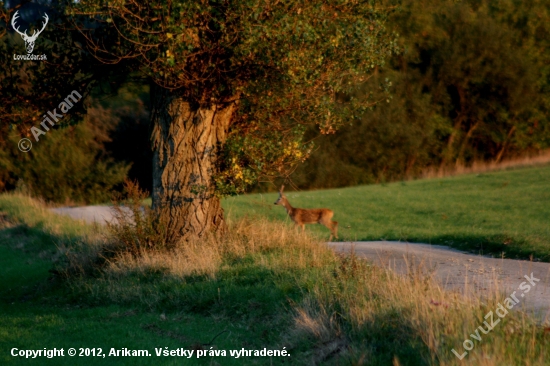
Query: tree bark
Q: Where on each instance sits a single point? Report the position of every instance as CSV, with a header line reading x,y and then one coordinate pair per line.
x,y
186,140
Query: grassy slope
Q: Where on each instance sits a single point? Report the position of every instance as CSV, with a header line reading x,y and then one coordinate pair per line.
x,y
506,211
36,313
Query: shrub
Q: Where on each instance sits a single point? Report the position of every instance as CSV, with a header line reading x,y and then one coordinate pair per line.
x,y
67,165
136,227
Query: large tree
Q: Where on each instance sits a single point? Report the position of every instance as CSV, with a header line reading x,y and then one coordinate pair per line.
x,y
233,85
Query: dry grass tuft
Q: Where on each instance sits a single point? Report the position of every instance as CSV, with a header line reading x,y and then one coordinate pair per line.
x,y
482,166
377,309
5,222
312,319
207,255
136,227
141,246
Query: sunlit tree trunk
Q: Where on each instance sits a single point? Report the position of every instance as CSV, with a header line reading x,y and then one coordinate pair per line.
x,y
186,140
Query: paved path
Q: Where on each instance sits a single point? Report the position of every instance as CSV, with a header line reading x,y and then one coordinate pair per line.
x,y
465,272
90,214
455,270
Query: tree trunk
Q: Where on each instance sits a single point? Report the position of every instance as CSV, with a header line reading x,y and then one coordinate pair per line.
x,y
186,140
448,153
505,145
460,157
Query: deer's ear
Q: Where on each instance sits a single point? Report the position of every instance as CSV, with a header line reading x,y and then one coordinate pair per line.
x,y
281,190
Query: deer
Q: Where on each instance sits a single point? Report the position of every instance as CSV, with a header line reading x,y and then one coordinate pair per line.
x,y
302,216
29,40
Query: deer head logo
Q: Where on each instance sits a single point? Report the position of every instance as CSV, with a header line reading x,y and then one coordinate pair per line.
x,y
29,40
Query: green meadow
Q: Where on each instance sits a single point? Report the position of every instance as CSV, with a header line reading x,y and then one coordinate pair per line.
x,y
501,213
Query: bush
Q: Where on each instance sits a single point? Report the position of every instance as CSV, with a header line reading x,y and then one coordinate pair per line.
x,y
67,165
137,228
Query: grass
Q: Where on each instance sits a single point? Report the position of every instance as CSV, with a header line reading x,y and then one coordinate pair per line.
x,y
503,213
262,285
177,301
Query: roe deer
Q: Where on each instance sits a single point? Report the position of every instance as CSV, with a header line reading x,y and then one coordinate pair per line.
x,y
302,216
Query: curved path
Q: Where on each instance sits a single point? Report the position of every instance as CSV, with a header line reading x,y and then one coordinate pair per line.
x,y
464,272
455,270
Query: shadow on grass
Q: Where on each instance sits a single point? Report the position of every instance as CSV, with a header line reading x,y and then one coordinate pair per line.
x,y
496,245
388,338
26,256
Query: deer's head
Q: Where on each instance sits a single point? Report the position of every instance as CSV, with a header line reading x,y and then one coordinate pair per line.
x,y
29,40
282,198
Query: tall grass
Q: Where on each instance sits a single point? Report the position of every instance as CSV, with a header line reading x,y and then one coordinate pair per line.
x,y
210,254
385,318
342,309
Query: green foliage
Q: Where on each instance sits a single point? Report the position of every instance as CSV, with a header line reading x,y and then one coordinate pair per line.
x,y
68,164
485,74
472,81
65,165
28,88
397,138
245,158
287,64
472,84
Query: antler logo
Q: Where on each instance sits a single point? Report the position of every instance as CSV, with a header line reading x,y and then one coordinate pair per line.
x,y
29,40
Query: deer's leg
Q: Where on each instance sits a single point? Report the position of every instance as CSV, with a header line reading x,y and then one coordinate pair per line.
x,y
332,226
328,226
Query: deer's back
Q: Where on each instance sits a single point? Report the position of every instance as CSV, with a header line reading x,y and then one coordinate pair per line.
x,y
311,216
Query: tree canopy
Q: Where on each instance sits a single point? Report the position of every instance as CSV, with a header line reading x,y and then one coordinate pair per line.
x,y
288,63
234,84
